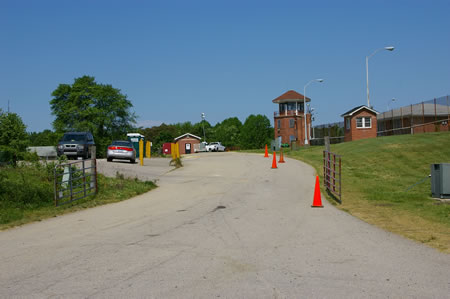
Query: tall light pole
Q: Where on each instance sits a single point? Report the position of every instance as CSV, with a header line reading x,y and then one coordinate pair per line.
x,y
203,126
310,109
304,105
367,69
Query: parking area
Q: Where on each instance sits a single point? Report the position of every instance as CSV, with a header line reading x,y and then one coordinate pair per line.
x,y
152,169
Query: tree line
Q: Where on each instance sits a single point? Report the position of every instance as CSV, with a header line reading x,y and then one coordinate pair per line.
x,y
254,133
86,105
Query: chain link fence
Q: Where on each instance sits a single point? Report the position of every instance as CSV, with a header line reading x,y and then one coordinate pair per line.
x,y
334,130
424,117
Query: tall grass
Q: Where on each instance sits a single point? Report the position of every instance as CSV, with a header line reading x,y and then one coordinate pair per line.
x,y
26,193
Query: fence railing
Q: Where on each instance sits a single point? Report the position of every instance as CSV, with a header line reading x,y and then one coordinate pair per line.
x,y
75,180
332,174
429,116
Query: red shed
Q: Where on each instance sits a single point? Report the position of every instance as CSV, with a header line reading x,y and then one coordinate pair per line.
x,y
186,143
360,123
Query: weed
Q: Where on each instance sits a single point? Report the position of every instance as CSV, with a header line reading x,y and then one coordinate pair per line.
x,y
176,162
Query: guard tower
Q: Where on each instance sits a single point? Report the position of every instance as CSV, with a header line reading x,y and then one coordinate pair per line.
x,y
289,122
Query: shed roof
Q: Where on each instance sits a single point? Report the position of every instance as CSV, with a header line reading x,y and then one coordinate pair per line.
x,y
187,135
289,96
356,109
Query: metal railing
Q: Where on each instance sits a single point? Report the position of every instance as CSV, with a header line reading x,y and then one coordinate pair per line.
x,y
331,175
288,113
75,180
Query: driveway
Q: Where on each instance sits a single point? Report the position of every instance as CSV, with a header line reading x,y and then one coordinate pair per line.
x,y
152,169
225,225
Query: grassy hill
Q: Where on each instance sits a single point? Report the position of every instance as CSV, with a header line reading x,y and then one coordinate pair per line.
x,y
376,174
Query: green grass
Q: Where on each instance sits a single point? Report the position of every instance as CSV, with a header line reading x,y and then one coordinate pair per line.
x,y
376,174
26,195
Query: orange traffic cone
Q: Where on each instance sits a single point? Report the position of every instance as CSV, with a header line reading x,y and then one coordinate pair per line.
x,y
266,154
317,202
281,157
274,162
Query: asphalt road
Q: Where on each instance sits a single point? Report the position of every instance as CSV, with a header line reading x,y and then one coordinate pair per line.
x,y
225,225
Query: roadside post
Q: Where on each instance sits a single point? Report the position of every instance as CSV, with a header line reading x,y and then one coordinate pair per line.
x,y
141,152
148,149
172,150
327,143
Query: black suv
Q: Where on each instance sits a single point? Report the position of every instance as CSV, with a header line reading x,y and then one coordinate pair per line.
x,y
76,144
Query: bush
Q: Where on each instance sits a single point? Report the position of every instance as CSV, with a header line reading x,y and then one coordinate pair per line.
x,y
25,186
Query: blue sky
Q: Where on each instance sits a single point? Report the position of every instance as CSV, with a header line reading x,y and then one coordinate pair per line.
x,y
177,59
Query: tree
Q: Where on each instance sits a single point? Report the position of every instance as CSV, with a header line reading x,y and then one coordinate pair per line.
x,y
256,132
159,135
13,137
228,132
89,106
44,138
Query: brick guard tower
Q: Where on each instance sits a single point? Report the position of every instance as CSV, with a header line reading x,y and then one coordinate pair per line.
x,y
289,121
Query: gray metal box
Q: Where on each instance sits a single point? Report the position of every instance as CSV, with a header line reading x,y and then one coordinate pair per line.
x,y
440,180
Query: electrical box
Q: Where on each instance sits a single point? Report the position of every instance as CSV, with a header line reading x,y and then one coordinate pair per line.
x,y
440,180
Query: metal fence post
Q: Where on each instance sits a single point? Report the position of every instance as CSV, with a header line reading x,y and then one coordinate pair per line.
x,y
70,182
340,190
84,178
448,112
435,116
324,169
423,117
55,186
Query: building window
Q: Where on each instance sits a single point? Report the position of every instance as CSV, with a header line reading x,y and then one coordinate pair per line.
x,y
347,123
364,122
278,123
291,138
291,123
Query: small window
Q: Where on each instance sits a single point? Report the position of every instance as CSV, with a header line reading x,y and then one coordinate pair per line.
x,y
291,138
279,124
291,123
347,124
364,122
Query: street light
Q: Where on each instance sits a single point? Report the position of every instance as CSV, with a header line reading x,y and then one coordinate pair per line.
x,y
203,126
367,69
311,110
392,100
304,104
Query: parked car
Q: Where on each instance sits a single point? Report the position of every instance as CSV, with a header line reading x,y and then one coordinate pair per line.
x,y
215,147
122,150
76,144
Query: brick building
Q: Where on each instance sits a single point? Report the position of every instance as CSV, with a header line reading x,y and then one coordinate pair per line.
x,y
289,122
186,143
360,123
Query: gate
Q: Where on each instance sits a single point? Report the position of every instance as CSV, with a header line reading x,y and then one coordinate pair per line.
x,y
332,174
75,180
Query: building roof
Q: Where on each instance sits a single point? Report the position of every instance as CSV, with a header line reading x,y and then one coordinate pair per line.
x,y
356,109
187,135
290,96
